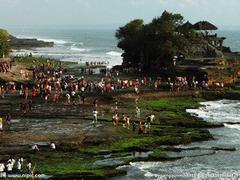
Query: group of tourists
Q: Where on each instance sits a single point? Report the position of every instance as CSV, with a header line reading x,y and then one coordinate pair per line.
x,y
5,67
18,167
96,63
50,83
132,122
35,147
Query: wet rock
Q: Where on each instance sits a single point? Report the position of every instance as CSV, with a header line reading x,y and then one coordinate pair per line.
x,y
104,152
190,153
141,154
109,162
77,177
93,141
224,148
17,43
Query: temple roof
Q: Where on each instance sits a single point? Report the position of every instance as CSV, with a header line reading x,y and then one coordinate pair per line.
x,y
204,25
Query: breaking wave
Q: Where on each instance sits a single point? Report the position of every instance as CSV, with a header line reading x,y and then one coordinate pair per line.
x,y
114,53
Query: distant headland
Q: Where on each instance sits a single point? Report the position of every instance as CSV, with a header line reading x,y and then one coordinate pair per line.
x,y
27,43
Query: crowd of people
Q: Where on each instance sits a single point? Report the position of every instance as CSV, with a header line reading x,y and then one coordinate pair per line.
x,y
51,85
20,166
134,121
96,63
12,166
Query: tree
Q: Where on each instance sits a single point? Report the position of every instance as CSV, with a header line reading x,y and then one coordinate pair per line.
x,y
4,45
151,46
129,40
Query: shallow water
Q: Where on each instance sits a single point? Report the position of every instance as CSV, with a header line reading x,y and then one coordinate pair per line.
x,y
217,165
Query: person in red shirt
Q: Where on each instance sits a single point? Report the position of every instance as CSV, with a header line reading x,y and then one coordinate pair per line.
x,y
34,92
116,119
140,131
26,92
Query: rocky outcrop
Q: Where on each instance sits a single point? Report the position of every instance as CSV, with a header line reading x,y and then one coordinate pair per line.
x,y
202,49
16,43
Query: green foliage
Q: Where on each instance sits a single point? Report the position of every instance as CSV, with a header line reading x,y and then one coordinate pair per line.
x,y
129,37
151,46
54,165
158,153
179,104
4,46
30,62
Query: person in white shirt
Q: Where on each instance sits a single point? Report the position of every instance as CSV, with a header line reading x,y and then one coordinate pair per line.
x,y
29,167
52,146
95,116
21,160
35,147
9,168
68,98
2,169
19,166
1,124
12,161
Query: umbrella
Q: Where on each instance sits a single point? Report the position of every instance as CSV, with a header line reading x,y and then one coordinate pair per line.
x,y
204,25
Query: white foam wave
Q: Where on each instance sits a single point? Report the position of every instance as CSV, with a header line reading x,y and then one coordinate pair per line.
x,y
222,111
56,41
114,53
151,175
146,168
79,49
232,126
79,43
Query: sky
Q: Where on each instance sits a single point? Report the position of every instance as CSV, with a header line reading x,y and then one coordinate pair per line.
x,y
111,13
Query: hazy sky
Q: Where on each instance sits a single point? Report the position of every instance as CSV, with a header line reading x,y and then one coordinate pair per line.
x,y
113,12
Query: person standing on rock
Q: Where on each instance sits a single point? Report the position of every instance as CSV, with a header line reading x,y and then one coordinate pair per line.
x,y
149,120
29,167
8,120
26,93
52,146
2,92
128,122
116,119
138,113
133,126
1,124
9,168
19,166
95,112
140,130
2,169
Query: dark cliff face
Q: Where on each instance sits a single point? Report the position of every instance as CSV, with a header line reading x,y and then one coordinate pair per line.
x,y
16,43
201,49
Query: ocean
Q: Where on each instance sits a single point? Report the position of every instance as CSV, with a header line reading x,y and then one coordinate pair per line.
x,y
88,45
73,44
200,161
